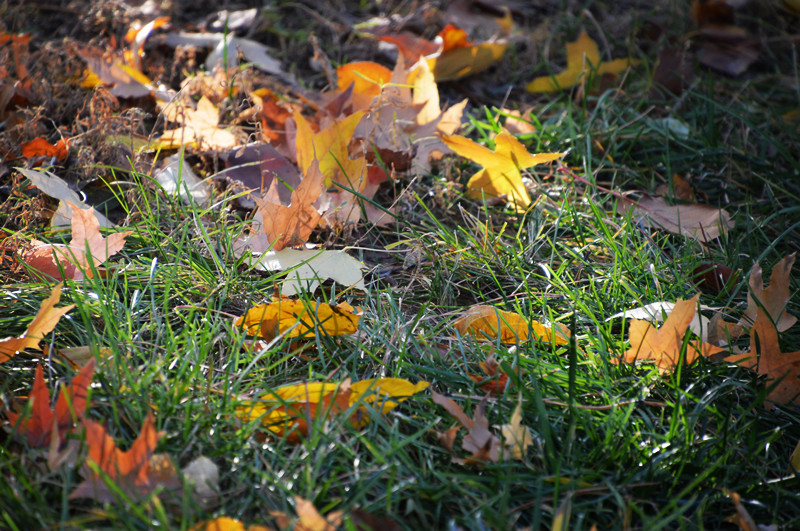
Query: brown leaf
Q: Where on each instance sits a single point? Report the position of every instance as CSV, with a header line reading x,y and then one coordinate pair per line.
x,y
70,406
45,321
481,442
773,298
134,471
73,258
700,222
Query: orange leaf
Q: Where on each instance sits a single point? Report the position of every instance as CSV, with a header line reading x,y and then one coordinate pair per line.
x,y
299,319
223,523
664,344
485,321
70,405
134,471
367,79
46,319
39,147
74,258
453,37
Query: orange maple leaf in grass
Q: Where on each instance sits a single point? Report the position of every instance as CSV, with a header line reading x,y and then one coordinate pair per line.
x,y
284,226
663,345
70,406
500,176
46,319
136,472
773,298
73,258
781,369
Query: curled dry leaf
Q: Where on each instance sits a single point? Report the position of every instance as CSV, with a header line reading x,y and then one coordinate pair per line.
x,y
500,176
774,298
292,409
45,321
482,443
74,259
45,422
488,322
664,345
298,318
582,56
136,472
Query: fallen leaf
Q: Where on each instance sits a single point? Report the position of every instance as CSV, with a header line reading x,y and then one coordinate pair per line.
x,y
200,128
516,437
223,523
136,472
177,176
488,322
309,518
57,188
366,77
45,321
663,345
307,268
74,259
678,188
226,48
203,474
127,81
699,222
494,380
291,409
411,47
655,311
298,318
482,443
330,149
583,56
70,406
772,299
39,147
500,176
253,168
468,60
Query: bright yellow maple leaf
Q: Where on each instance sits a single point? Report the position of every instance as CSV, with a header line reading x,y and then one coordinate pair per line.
x,y
485,321
500,175
298,318
582,56
330,147
46,319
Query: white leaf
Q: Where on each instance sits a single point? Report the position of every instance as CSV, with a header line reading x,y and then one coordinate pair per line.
x,y
177,171
311,267
57,188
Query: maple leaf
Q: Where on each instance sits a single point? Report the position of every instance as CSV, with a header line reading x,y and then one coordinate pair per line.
x,y
291,409
582,56
283,226
500,176
45,321
70,406
136,472
297,318
488,322
330,148
772,299
484,445
516,437
781,369
664,344
200,128
495,380
74,259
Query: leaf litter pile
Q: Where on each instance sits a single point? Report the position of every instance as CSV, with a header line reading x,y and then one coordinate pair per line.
x,y
443,265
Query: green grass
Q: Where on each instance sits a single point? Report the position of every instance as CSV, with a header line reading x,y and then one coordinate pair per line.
x,y
628,448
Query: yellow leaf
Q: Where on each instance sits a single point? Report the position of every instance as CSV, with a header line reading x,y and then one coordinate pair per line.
x,y
466,60
200,127
582,56
516,437
485,321
330,148
388,392
44,322
279,317
223,523
501,174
